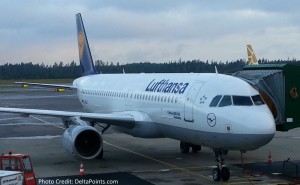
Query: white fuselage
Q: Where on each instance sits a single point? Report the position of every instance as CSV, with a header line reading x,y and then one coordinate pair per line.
x,y
179,106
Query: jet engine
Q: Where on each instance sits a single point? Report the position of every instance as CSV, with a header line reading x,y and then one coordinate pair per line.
x,y
82,142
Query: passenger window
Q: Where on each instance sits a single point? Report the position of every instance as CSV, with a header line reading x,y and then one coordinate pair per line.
x,y
242,100
215,101
226,101
258,100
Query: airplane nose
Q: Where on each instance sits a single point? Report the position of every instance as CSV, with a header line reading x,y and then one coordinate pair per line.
x,y
265,123
261,127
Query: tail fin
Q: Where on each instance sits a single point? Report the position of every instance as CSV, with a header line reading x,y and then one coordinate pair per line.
x,y
251,56
86,61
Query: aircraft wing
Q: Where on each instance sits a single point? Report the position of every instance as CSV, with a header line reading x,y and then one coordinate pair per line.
x,y
27,84
118,119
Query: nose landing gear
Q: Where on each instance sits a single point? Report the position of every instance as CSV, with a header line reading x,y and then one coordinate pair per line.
x,y
220,172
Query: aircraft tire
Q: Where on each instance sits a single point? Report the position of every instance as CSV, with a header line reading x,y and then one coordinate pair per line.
x,y
196,148
184,147
225,174
216,174
225,152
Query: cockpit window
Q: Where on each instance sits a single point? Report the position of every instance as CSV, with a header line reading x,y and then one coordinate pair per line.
x,y
226,101
257,100
215,101
242,100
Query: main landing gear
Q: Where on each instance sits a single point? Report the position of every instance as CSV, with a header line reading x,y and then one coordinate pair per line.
x,y
185,147
220,172
104,127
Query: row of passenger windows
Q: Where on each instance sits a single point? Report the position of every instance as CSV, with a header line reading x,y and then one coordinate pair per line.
x,y
227,100
137,96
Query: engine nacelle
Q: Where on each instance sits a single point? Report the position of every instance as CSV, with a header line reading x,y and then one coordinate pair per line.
x,y
82,142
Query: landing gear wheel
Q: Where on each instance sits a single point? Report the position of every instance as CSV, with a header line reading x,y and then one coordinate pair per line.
x,y
225,174
225,152
184,147
220,171
196,148
216,174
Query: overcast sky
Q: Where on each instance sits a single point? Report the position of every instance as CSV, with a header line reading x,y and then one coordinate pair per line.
x,y
128,31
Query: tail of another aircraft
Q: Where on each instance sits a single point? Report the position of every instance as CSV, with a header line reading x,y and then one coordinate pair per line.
x,y
251,56
86,60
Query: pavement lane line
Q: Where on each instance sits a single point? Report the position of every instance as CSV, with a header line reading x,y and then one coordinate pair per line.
x,y
38,97
5,119
172,169
242,180
47,122
16,124
33,137
158,161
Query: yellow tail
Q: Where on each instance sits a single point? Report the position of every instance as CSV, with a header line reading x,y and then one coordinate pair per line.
x,y
251,56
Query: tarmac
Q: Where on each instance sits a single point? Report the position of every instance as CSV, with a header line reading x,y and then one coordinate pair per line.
x,y
131,160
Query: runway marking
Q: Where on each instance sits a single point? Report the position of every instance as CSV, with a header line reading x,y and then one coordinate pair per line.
x,y
36,97
47,122
16,124
237,179
24,123
39,119
158,161
5,119
171,169
33,137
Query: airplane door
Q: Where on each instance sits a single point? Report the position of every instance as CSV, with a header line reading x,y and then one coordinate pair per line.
x,y
189,102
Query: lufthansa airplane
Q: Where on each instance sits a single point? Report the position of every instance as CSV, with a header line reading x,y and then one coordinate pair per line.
x,y
208,109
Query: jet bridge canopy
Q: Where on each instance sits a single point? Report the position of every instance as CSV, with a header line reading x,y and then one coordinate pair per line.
x,y
278,84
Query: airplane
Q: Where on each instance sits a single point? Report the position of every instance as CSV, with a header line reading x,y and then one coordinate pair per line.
x,y
218,111
251,56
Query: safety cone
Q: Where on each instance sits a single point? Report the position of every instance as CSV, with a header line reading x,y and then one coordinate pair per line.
x,y
270,158
81,171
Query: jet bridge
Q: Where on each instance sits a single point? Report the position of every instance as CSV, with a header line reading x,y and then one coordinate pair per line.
x,y
278,85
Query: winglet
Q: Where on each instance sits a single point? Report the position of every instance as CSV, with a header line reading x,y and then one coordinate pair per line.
x,y
85,57
251,56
